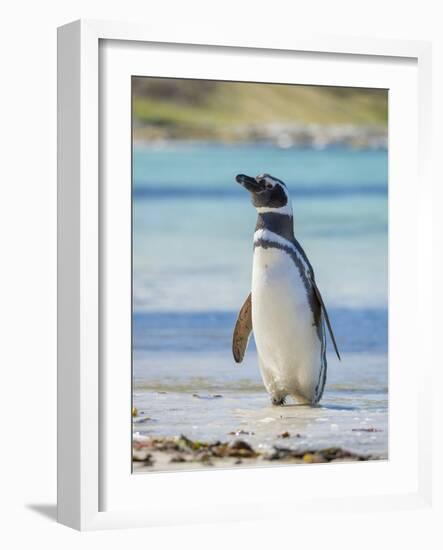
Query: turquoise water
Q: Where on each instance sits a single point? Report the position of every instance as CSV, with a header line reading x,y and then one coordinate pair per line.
x,y
192,254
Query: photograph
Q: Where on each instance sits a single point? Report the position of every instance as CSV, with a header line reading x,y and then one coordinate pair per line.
x,y
259,274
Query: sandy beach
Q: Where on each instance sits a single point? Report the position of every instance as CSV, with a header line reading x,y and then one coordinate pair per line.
x,y
351,423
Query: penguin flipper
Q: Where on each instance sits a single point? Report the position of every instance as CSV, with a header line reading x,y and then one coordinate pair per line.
x,y
325,313
242,330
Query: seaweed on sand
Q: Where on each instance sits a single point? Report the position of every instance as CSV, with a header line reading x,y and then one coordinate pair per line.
x,y
183,449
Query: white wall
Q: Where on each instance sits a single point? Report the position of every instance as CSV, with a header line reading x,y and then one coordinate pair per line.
x,y
28,268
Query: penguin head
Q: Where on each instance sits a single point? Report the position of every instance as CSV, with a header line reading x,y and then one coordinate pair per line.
x,y
268,194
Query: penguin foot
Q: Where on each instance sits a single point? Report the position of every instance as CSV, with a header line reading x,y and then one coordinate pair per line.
x,y
278,401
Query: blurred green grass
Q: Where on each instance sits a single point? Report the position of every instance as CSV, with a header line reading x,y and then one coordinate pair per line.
x,y
210,109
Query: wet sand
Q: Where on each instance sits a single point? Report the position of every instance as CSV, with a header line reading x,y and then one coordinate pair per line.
x,y
353,423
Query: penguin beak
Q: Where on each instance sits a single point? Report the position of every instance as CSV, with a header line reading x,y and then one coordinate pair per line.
x,y
250,184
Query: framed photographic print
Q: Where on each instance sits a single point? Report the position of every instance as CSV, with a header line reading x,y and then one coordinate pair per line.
x,y
194,244
242,252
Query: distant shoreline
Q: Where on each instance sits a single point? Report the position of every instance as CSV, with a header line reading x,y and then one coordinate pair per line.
x,y
282,136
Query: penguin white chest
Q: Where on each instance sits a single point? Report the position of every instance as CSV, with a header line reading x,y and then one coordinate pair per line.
x,y
286,337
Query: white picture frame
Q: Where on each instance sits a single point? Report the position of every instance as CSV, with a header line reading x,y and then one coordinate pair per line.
x,y
95,493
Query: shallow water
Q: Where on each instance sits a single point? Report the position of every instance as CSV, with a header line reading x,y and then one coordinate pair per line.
x,y
191,272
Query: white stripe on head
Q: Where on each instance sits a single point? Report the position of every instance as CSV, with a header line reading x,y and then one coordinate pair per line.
x,y
271,183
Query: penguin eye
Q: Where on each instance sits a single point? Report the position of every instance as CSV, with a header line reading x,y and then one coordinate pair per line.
x,y
269,186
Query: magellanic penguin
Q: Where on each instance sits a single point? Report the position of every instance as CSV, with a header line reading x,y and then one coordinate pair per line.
x,y
284,310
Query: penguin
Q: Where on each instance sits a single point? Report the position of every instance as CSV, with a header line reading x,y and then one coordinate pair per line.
x,y
284,309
